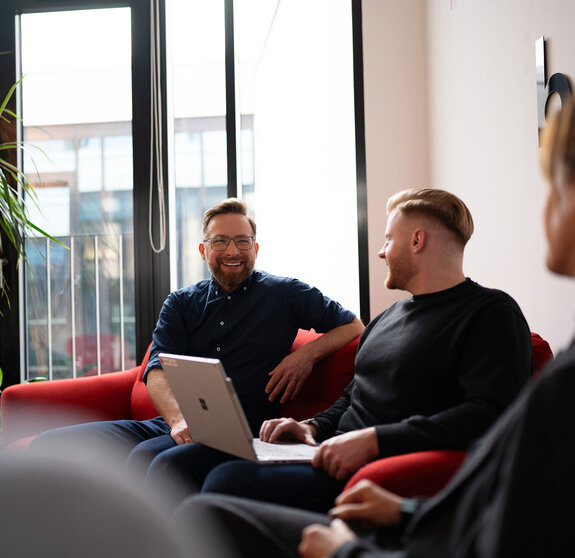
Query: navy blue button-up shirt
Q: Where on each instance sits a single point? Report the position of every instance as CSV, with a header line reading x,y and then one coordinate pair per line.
x,y
250,330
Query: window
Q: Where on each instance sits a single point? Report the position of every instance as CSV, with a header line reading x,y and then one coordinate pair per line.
x,y
80,315
296,151
259,103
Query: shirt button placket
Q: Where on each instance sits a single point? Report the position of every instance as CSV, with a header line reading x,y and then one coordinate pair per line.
x,y
222,323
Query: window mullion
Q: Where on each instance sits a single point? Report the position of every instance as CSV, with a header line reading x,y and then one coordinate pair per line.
x,y
232,118
152,280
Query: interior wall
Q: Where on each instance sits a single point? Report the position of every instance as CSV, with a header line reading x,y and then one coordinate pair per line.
x,y
396,129
484,140
480,99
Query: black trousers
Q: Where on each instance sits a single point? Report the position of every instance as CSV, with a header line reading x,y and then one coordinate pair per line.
x,y
242,528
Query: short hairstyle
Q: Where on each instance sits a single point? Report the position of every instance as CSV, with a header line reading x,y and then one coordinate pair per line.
x,y
443,206
558,146
231,205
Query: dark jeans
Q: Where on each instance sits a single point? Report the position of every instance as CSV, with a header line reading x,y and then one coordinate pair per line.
x,y
188,465
297,485
130,443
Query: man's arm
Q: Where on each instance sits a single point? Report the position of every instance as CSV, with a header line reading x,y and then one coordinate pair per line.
x,y
166,404
287,378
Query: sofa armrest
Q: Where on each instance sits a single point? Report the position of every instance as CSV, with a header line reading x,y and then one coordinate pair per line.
x,y
28,409
422,473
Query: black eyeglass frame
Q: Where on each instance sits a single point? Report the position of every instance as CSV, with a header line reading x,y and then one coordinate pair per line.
x,y
229,239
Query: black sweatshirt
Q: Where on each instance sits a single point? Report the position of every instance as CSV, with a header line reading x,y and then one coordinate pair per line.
x,y
434,371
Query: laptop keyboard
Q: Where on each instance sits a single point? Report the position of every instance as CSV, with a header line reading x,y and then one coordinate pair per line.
x,y
283,451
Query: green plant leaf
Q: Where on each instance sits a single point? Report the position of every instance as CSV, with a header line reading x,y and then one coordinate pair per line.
x,y
16,194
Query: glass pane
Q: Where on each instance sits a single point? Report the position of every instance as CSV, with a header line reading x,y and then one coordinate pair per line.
x,y
77,116
196,51
296,96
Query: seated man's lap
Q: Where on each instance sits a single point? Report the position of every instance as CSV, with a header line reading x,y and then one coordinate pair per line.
x,y
257,529
120,436
187,464
295,485
252,529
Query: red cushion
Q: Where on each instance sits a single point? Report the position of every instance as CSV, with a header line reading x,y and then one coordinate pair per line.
x,y
32,408
542,353
421,473
142,406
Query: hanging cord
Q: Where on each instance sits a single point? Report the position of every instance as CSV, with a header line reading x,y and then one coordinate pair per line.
x,y
156,131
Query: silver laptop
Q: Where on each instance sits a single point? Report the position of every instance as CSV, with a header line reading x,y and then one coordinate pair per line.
x,y
214,414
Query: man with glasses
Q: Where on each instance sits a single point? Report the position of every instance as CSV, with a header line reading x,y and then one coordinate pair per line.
x,y
245,317
252,319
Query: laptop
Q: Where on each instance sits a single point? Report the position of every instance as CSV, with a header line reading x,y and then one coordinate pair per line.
x,y
214,414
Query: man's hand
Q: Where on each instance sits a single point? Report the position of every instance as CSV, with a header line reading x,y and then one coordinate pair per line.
x,y
287,429
319,541
289,375
342,455
368,504
180,433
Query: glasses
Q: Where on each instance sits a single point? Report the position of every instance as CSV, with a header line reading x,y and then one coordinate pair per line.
x,y
220,243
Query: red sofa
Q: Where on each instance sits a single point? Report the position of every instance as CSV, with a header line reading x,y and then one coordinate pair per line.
x,y
28,409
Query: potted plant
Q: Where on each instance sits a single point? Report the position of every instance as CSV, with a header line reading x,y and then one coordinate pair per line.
x,y
16,191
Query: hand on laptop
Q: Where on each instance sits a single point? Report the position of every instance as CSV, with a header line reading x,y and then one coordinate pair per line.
x,y
180,433
287,429
344,454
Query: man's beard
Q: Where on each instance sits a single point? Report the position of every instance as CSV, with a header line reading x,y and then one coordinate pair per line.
x,y
231,281
399,273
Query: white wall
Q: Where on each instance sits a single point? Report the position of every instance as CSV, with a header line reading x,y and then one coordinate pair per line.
x,y
396,130
482,110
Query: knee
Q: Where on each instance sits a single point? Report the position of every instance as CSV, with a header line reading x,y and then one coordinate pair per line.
x,y
159,463
235,478
197,505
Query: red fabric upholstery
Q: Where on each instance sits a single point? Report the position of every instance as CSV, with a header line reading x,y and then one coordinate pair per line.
x,y
28,409
542,353
427,472
413,474
141,405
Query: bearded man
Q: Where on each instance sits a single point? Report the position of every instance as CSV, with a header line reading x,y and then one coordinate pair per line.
x,y
246,318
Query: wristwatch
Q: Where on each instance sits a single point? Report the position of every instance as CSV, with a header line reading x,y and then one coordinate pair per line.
x,y
313,423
